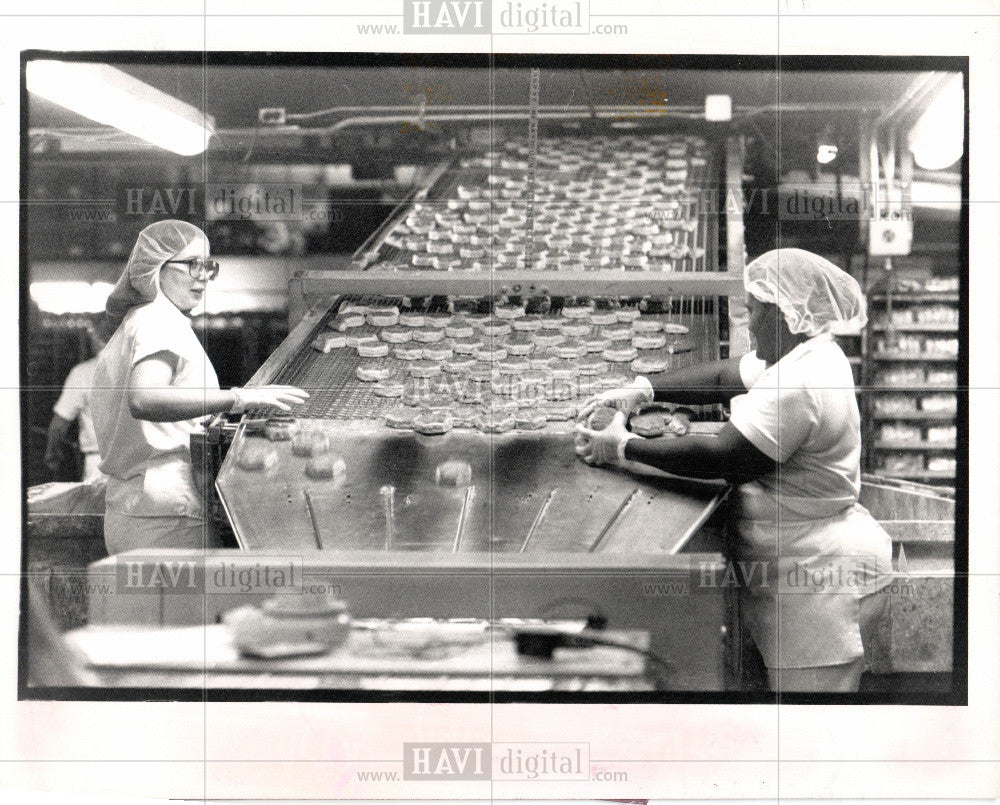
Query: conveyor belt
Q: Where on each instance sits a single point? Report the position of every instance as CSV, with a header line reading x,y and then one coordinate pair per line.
x,y
336,393
664,202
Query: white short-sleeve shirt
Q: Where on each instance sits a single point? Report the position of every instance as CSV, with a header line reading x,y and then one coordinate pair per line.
x,y
129,445
803,413
74,403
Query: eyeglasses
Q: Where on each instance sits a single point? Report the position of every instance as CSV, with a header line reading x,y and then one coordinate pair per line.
x,y
199,269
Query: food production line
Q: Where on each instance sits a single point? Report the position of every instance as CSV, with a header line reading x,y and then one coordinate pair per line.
x,y
431,473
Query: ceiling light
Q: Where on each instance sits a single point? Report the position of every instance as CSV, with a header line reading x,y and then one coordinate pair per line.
x,y
826,153
718,108
109,96
937,138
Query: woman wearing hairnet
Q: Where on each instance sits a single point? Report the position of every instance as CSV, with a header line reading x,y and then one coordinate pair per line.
x,y
153,385
793,443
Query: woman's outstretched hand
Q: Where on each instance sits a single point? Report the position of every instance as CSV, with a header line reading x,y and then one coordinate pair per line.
x,y
282,397
639,391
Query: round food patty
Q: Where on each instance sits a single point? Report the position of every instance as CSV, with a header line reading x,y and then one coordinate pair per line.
x,y
401,418
527,324
427,335
601,417
558,411
256,457
433,422
547,339
459,329
649,365
530,420
383,316
438,320
646,325
408,352
617,332
325,342
373,350
458,365
495,422
589,367
466,346
509,312
310,443
576,329
438,352
411,318
649,340
622,354
571,350
424,368
674,329
680,345
486,353
649,425
603,317
373,372
389,388
326,468
280,429
396,335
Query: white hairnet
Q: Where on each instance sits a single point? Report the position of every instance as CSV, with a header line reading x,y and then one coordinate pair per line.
x,y
139,282
814,295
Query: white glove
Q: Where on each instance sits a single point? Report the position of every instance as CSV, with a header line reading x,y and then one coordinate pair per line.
x,y
283,397
639,391
607,446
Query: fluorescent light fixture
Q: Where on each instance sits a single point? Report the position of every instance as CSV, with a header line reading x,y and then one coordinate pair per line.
x,y
936,139
718,108
109,96
70,297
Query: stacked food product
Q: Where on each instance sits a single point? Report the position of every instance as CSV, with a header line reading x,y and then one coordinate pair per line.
x,y
601,203
900,433
941,346
903,463
942,434
500,371
901,376
937,314
939,403
942,464
895,404
942,377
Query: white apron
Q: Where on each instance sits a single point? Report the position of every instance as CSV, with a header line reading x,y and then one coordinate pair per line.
x,y
807,564
160,508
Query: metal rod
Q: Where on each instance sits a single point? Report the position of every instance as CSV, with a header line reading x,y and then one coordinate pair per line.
x,y
388,494
470,493
538,518
614,519
312,518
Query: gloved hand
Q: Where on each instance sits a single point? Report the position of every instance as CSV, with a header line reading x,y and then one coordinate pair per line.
x,y
607,446
680,422
639,391
283,397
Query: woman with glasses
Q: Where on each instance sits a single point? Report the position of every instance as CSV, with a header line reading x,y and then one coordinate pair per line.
x,y
153,385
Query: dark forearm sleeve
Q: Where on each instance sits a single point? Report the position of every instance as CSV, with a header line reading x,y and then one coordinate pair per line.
x,y
729,455
701,384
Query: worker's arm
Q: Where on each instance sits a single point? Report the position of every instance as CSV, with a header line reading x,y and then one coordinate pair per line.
x,y
151,397
58,431
701,384
729,455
